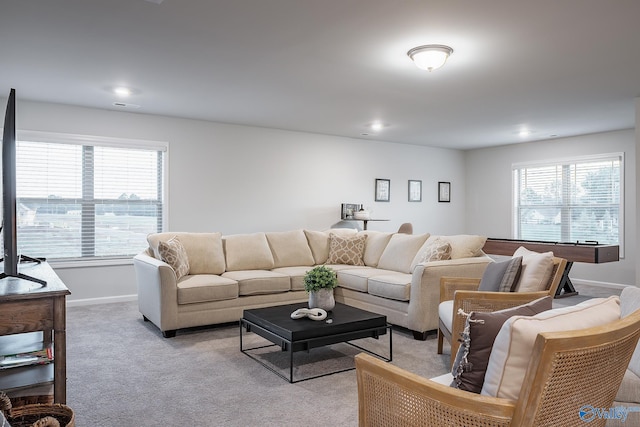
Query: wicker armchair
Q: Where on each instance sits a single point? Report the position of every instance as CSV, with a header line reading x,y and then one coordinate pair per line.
x,y
567,371
465,295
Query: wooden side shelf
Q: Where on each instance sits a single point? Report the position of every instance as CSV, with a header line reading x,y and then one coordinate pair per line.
x,y
33,317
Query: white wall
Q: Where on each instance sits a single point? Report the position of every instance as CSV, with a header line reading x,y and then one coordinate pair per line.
x,y
489,192
240,179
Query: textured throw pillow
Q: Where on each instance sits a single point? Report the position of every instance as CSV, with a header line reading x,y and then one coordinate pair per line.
x,y
438,250
536,270
514,343
346,250
500,276
173,253
477,341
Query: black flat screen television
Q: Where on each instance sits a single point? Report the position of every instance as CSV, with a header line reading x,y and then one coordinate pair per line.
x,y
9,228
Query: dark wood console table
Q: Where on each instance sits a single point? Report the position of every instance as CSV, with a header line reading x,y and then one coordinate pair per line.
x,y
27,307
572,252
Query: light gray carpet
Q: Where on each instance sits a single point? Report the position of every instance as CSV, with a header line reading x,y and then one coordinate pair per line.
x,y
122,372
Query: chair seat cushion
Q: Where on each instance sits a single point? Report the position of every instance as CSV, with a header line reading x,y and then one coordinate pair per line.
x,y
445,311
443,379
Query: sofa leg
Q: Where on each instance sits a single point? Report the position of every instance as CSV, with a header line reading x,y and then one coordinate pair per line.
x,y
145,318
440,341
169,334
420,336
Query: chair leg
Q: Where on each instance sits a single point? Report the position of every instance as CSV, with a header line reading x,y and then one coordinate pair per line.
x,y
440,341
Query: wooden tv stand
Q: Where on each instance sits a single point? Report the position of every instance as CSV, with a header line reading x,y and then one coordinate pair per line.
x,y
26,307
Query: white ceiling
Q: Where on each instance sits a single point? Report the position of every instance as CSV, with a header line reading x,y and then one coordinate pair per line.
x,y
556,67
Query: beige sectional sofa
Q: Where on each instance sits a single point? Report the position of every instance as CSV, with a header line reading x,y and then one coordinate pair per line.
x,y
210,279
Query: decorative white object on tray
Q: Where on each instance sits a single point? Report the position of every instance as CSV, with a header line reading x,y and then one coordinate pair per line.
x,y
311,313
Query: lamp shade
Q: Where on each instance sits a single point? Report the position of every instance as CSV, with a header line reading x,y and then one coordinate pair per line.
x,y
430,57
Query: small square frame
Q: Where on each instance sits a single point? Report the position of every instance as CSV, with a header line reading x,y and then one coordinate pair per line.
x,y
415,190
383,190
444,191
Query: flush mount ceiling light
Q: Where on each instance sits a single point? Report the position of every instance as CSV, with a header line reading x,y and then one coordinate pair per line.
x,y
431,56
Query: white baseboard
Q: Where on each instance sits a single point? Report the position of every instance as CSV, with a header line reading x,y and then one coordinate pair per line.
x,y
102,300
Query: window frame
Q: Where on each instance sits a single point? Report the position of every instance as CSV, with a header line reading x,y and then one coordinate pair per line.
x,y
515,225
113,142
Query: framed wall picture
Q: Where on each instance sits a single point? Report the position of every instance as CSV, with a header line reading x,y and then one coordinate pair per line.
x,y
383,190
415,190
348,209
444,191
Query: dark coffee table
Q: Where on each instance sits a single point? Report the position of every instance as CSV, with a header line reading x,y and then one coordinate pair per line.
x,y
292,335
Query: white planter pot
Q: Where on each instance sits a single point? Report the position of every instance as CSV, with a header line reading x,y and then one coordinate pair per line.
x,y
323,299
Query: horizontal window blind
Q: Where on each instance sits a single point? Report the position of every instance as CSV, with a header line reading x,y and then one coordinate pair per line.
x,y
572,200
87,199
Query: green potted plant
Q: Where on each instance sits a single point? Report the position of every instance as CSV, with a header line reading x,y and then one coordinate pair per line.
x,y
320,282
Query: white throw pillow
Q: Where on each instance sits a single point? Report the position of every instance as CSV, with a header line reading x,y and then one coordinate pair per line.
x,y
513,346
536,270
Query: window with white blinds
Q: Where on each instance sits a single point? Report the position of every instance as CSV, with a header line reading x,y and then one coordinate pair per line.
x,y
571,200
87,197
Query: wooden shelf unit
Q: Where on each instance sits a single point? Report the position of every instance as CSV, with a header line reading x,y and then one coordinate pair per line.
x,y
32,317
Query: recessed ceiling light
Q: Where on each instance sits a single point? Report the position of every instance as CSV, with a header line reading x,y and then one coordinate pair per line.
x,y
376,126
122,91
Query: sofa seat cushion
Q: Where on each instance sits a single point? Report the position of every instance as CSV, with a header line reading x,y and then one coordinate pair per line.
x,y
258,282
290,248
204,250
393,285
206,287
296,274
629,390
357,278
248,252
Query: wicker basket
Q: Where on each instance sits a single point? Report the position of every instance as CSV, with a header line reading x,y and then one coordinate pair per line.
x,y
37,415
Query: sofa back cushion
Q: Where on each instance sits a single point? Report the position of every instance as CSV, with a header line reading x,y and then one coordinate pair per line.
x,y
204,250
464,245
290,248
399,253
248,252
376,242
319,242
514,343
